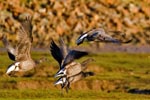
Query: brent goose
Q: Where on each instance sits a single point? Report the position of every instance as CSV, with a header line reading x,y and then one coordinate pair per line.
x,y
70,71
65,81
21,53
98,34
65,58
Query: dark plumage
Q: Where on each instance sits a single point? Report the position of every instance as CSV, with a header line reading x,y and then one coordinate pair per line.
x,y
65,81
98,34
70,71
65,57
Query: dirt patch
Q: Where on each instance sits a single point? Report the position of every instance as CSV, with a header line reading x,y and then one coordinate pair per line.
x,y
35,85
99,85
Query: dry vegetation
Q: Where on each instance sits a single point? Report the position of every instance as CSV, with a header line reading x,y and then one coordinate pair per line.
x,y
52,18
113,79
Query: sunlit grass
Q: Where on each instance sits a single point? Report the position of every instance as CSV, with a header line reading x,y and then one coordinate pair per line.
x,y
72,95
131,69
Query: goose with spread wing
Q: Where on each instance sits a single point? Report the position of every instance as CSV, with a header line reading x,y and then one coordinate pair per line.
x,y
65,58
21,53
65,81
70,71
97,34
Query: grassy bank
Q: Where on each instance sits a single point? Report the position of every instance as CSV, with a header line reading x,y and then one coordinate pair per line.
x,y
115,74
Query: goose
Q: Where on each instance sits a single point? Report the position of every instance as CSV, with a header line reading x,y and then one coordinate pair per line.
x,y
97,34
65,81
21,53
65,57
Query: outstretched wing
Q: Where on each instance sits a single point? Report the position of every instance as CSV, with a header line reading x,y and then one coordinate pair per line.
x,y
94,32
56,52
64,48
121,36
10,49
73,54
25,32
99,34
25,39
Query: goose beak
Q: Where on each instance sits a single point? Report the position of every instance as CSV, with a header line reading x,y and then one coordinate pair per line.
x,y
60,73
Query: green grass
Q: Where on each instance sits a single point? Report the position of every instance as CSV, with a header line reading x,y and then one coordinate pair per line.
x,y
123,71
72,95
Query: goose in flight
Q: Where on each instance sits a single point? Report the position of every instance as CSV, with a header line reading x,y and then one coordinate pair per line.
x,y
70,71
21,53
98,34
65,81
65,57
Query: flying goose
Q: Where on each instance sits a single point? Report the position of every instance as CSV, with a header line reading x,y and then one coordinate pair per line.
x,y
21,53
65,81
98,34
70,71
65,58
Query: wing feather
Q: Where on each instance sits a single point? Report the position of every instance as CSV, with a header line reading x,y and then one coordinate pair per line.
x,y
72,55
56,52
25,39
64,48
25,31
10,50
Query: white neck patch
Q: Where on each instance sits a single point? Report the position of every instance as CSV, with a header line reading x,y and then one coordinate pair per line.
x,y
83,36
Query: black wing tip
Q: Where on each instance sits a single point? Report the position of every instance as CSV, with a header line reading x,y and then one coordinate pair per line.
x,y
52,45
55,52
78,54
84,52
11,56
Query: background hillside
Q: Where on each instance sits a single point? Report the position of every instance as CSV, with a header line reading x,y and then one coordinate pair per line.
x,y
69,18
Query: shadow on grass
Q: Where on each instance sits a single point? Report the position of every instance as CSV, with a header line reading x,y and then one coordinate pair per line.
x,y
138,91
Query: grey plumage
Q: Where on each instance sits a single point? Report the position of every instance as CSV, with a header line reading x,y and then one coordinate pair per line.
x,y
98,34
65,81
70,71
65,57
10,50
